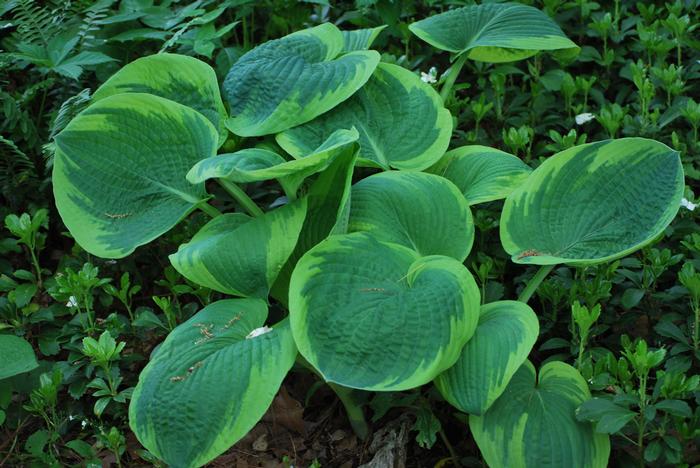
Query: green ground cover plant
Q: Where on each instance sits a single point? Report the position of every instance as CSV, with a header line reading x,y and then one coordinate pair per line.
x,y
421,211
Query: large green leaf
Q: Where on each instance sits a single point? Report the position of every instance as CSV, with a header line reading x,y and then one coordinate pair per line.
x,y
254,164
533,423
401,120
119,172
210,381
240,255
289,81
593,203
377,316
360,39
16,356
494,32
424,212
483,174
506,333
179,78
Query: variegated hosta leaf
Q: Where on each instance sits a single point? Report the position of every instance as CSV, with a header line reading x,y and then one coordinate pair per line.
x,y
240,255
533,423
179,78
119,172
16,356
289,81
423,212
253,164
483,174
506,333
593,203
494,32
402,122
360,39
210,382
377,316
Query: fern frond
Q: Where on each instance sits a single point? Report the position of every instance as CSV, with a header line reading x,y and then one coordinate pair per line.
x,y
35,24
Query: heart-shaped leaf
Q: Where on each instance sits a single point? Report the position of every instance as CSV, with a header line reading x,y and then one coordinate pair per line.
x,y
402,122
254,164
483,174
119,172
289,81
506,333
360,39
593,203
377,316
494,32
210,382
533,423
16,356
240,255
180,78
423,212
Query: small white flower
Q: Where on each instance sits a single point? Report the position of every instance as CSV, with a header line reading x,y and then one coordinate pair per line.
x,y
83,423
685,203
71,417
258,331
72,302
583,118
430,77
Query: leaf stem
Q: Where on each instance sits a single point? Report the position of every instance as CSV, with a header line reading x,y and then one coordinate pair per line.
x,y
353,410
208,209
453,454
534,283
452,77
241,197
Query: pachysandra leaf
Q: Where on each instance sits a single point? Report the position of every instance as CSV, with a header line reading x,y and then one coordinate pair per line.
x,y
210,382
360,39
504,337
494,32
402,122
254,164
119,172
482,174
533,423
377,316
593,203
289,81
16,356
240,255
423,212
180,78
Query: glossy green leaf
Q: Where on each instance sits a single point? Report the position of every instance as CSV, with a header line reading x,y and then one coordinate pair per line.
x,y
240,255
402,122
506,333
377,316
180,78
423,212
482,174
593,203
210,382
16,356
360,39
254,164
494,32
119,172
289,81
533,423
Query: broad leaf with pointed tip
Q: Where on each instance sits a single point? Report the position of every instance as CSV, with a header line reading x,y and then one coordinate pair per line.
x,y
506,333
494,32
402,122
423,212
210,382
289,81
483,174
533,424
119,172
180,78
253,164
360,39
377,316
240,255
16,356
593,203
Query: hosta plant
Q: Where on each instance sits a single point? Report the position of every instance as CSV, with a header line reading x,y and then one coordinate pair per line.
x,y
368,265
